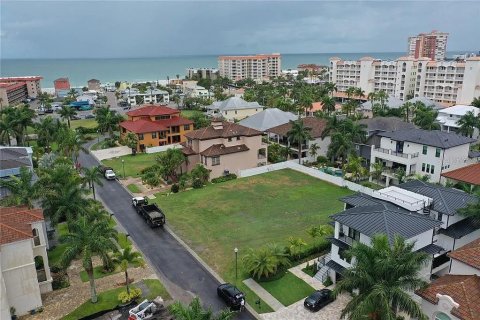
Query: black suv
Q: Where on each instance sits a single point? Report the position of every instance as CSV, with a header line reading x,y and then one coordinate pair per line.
x,y
231,295
318,299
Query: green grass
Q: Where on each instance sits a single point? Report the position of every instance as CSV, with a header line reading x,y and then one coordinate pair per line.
x,y
86,123
109,300
288,289
123,241
97,273
372,185
249,213
190,113
133,164
134,188
55,254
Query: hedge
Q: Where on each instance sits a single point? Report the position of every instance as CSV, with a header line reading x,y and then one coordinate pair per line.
x,y
228,177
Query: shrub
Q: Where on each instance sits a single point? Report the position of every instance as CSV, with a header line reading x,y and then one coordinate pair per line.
x,y
230,176
83,130
321,160
175,188
328,282
197,184
124,297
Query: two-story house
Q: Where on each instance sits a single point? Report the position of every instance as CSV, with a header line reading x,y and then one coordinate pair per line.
x,y
11,160
24,269
279,134
224,147
449,117
156,126
423,152
233,108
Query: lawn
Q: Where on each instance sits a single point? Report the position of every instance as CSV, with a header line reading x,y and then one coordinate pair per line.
x,y
134,188
190,113
288,289
249,213
86,123
55,254
133,164
109,299
97,273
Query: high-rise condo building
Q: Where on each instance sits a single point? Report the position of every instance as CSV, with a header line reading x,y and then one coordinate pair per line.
x,y
258,67
431,45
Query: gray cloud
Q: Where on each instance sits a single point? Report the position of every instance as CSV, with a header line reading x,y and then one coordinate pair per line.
x,y
63,29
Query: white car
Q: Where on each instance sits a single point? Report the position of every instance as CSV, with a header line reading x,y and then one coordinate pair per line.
x,y
144,310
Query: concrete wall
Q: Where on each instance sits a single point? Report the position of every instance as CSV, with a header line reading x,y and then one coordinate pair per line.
x,y
458,267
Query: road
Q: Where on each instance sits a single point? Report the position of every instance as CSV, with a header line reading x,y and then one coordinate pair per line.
x,y
170,259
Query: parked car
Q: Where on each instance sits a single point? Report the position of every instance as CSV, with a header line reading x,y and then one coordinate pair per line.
x,y
318,300
89,116
75,118
231,295
144,310
108,173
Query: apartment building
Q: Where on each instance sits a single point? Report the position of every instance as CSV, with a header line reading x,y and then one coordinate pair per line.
x,y
449,117
224,148
257,67
32,84
431,45
94,84
202,73
61,84
134,97
445,82
423,152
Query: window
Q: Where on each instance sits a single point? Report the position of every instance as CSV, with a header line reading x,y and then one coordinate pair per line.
x,y
154,135
428,168
432,169
36,237
186,127
424,150
437,152
423,167
354,234
440,217
343,255
238,138
215,161
230,139
140,136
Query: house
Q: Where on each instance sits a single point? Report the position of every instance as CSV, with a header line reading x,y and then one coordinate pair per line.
x,y
469,174
456,295
422,152
24,269
376,125
279,134
233,108
197,92
61,84
134,97
94,84
11,160
267,119
391,103
224,147
449,117
427,102
156,125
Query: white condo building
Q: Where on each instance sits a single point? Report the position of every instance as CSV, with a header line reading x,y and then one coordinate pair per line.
x,y
446,82
257,67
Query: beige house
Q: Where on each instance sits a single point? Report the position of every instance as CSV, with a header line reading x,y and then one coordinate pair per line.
x,y
224,148
25,273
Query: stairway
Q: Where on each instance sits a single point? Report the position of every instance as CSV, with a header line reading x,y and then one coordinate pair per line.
x,y
322,268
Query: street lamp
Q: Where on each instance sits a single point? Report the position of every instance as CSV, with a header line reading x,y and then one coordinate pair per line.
x,y
123,165
236,264
98,136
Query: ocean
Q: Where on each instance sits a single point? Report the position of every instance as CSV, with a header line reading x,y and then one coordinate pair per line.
x,y
79,71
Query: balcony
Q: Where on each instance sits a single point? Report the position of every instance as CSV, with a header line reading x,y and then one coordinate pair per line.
x,y
396,154
346,239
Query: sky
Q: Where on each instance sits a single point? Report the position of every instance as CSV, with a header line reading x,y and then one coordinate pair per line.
x,y
120,29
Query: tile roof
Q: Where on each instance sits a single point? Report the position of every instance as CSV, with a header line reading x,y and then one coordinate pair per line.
x,y
431,249
152,110
317,126
268,118
142,126
468,254
386,124
174,121
445,200
463,289
469,174
220,150
234,103
228,129
461,228
434,138
15,223
188,151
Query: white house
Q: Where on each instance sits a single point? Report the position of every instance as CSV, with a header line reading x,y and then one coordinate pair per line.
x,y
233,108
448,117
24,269
423,152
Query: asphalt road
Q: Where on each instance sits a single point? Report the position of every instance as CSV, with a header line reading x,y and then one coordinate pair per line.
x,y
170,259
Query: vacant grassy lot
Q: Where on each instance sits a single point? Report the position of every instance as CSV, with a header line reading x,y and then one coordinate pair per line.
x,y
249,213
86,123
190,113
288,289
134,164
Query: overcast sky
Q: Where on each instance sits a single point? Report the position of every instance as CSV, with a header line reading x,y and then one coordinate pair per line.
x,y
107,29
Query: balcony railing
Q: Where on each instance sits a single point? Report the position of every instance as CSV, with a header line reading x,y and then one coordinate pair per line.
x,y
397,154
346,239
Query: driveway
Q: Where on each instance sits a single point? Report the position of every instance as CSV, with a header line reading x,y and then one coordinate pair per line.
x,y
178,269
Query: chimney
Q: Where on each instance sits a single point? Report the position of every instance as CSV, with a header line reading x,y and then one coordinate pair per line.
x,y
217,123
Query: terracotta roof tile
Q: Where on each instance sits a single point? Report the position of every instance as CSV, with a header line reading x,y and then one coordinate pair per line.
x,y
152,110
228,130
142,126
463,289
468,254
220,150
469,174
15,223
317,125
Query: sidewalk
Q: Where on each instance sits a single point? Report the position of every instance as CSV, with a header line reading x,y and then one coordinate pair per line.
x,y
263,294
313,282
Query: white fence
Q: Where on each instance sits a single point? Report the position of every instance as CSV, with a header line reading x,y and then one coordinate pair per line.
x,y
163,148
292,164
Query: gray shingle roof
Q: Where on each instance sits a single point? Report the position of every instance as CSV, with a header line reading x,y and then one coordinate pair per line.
x,y
427,102
267,119
433,138
363,200
386,124
445,200
234,103
431,249
461,228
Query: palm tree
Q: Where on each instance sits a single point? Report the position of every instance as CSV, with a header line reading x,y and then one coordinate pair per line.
x,y
472,209
341,146
124,259
260,263
354,166
328,104
376,171
372,96
195,311
279,253
406,110
382,98
72,93
314,147
319,231
46,130
24,117
66,113
476,102
383,273
468,123
298,133
87,239
295,245
359,93
8,125
108,120
71,143
22,190
93,175
350,92
425,118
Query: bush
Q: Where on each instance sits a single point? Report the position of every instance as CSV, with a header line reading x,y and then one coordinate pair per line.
x,y
328,282
321,160
175,188
308,251
124,297
197,184
230,176
83,130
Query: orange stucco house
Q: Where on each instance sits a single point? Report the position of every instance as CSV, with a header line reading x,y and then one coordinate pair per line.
x,y
156,125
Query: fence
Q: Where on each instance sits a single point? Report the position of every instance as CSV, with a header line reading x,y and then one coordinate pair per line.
x,y
163,148
292,164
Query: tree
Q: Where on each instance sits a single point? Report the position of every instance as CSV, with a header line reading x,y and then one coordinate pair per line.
x,y
22,190
376,171
350,92
87,239
72,93
319,231
295,245
406,110
468,123
314,147
46,130
170,161
260,263
93,175
71,143
131,141
66,113
8,125
24,118
107,120
328,104
124,259
425,117
200,173
472,209
195,311
341,146
400,174
372,96
359,93
476,102
299,134
354,166
383,273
